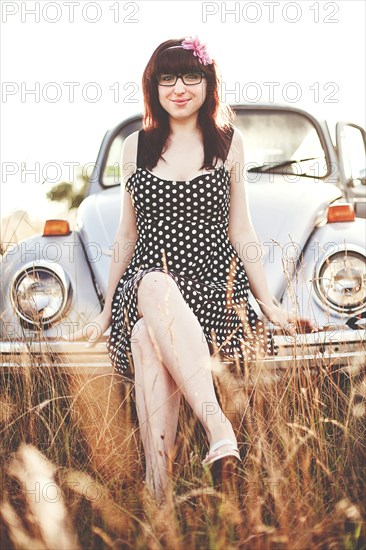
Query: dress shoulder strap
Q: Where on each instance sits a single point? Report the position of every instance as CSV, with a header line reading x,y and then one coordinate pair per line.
x,y
141,150
228,143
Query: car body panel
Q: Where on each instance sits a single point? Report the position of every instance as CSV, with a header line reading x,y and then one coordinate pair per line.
x,y
327,239
65,251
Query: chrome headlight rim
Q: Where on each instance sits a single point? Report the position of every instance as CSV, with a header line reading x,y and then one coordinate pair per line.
x,y
60,275
323,301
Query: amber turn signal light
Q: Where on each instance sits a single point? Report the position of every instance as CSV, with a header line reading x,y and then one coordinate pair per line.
x,y
56,227
341,213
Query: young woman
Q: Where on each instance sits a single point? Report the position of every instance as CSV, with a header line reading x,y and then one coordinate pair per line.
x,y
183,295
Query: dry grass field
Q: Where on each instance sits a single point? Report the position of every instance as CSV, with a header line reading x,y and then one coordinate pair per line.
x,y
300,485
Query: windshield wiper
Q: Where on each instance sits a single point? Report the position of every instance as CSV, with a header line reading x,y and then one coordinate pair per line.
x,y
267,166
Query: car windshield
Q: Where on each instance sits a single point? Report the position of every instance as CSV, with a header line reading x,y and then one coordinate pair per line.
x,y
282,142
278,141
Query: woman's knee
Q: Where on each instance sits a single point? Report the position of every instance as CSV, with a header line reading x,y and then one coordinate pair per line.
x,y
155,285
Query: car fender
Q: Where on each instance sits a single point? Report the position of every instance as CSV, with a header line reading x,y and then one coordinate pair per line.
x,y
67,252
300,295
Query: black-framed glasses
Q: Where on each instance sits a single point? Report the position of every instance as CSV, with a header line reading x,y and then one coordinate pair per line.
x,y
189,79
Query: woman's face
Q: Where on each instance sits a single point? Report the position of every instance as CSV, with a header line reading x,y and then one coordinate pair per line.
x,y
182,100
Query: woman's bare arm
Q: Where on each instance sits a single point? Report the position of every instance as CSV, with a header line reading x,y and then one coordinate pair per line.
x,y
126,235
123,246
241,232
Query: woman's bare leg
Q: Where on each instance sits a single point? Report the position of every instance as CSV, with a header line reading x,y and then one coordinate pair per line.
x,y
157,404
178,335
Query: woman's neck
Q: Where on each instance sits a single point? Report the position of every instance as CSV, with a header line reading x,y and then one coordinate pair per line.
x,y
184,127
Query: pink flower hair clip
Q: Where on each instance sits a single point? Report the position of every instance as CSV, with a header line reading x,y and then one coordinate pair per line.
x,y
199,50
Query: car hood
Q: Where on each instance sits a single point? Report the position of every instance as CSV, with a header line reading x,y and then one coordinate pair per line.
x,y
283,216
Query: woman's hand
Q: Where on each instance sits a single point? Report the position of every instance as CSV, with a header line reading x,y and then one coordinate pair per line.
x,y
93,330
292,325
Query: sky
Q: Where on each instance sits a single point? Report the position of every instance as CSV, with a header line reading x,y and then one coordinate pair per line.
x,y
71,70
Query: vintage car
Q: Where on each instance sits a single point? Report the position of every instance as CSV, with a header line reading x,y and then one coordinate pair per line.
x,y
307,200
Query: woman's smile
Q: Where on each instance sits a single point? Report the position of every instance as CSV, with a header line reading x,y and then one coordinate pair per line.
x,y
180,102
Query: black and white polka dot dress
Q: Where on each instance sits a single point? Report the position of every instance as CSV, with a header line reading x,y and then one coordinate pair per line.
x,y
183,231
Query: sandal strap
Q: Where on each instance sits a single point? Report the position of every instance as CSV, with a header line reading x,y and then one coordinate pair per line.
x,y
221,443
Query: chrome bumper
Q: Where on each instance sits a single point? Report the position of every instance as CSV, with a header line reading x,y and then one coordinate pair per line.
x,y
342,350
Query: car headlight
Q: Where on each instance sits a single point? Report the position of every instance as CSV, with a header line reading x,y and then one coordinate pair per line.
x,y
41,293
340,281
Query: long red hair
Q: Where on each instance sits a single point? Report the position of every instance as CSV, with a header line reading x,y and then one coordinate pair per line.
x,y
214,117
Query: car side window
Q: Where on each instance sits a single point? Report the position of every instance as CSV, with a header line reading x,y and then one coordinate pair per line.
x,y
112,170
111,173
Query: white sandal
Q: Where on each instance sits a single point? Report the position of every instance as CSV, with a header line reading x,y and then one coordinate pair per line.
x,y
215,454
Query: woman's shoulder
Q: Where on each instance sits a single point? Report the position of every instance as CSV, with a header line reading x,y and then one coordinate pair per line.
x,y
129,155
131,142
237,137
236,146
130,148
